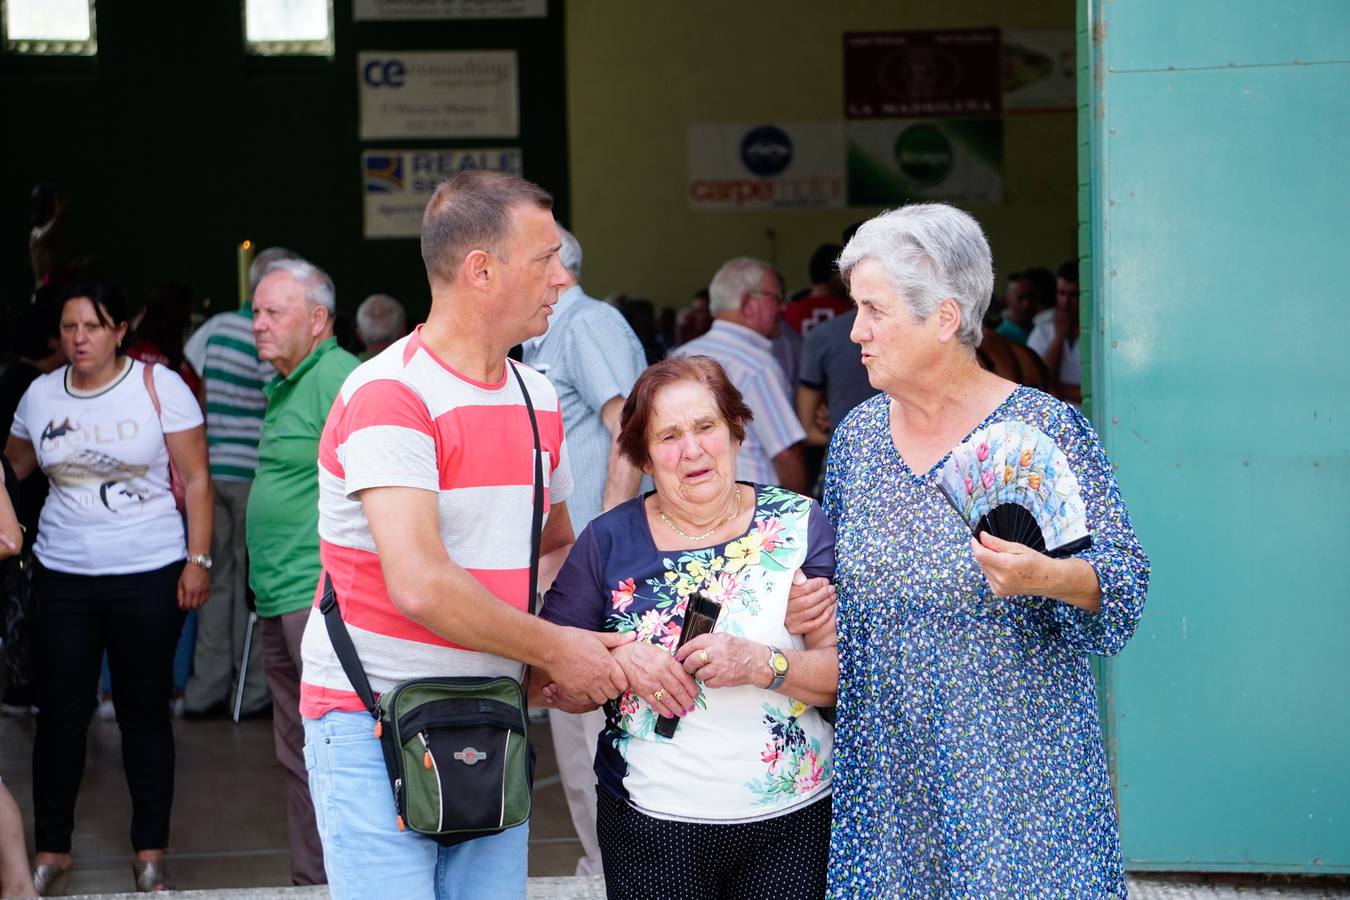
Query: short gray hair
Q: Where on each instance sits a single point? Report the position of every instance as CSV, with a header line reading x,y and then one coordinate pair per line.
x,y
732,281
263,263
570,253
930,251
472,211
318,286
381,319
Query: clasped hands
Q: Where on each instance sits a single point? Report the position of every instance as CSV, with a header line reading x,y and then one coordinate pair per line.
x,y
669,683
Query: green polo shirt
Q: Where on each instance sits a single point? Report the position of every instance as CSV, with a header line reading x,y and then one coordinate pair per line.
x,y
283,507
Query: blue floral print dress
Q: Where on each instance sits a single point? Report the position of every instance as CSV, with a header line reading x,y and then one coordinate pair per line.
x,y
744,753
968,754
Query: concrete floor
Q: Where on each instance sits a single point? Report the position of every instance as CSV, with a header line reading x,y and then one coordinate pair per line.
x,y
229,829
229,817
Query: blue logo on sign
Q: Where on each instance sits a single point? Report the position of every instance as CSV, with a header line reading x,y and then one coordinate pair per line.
x,y
766,150
384,174
384,73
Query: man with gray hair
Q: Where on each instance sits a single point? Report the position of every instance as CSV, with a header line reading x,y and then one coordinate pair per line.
x,y
293,311
744,298
224,352
593,358
380,320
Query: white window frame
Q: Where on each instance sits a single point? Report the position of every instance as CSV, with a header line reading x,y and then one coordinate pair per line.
x,y
323,47
43,47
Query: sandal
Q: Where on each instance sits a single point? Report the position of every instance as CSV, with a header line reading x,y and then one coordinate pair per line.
x,y
47,876
152,875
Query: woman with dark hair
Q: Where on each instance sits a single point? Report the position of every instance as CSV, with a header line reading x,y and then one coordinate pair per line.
x,y
734,801
161,330
115,568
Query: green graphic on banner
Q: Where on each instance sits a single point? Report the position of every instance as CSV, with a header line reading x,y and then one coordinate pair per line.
x,y
893,161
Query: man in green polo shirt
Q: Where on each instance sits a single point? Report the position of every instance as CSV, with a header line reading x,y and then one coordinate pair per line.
x,y
293,311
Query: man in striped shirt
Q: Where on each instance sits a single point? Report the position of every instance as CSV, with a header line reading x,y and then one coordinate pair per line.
x,y
226,354
744,298
426,491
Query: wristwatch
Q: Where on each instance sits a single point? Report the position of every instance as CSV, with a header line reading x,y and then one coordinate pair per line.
x,y
200,559
778,664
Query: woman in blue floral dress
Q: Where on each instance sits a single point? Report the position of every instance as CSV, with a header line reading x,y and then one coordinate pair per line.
x,y
736,804
968,757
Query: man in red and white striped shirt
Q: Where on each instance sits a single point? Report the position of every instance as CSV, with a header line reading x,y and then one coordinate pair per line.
x,y
426,483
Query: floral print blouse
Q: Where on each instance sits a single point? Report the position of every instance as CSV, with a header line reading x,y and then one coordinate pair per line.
x,y
744,753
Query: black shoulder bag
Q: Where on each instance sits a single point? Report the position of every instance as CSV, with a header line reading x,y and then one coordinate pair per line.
x,y
457,750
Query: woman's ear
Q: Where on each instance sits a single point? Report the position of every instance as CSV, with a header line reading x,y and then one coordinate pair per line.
x,y
949,319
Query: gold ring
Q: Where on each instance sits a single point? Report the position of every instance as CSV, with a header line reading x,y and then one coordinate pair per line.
x,y
659,695
703,657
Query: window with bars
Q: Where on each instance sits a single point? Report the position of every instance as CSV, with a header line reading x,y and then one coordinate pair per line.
x,y
288,27
50,27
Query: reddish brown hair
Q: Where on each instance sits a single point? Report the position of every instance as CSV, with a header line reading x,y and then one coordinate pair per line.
x,y
637,409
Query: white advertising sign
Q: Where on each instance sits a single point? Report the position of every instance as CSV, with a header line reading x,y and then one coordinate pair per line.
x,y
415,94
781,165
398,183
391,10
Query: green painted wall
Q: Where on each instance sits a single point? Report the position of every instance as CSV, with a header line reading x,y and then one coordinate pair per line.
x,y
174,146
640,73
1216,211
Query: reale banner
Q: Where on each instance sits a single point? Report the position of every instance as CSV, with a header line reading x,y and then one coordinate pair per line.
x,y
398,183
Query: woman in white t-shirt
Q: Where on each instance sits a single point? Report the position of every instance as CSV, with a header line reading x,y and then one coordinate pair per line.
x,y
116,570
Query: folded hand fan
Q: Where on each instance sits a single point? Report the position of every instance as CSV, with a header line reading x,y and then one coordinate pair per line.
x,y
1011,480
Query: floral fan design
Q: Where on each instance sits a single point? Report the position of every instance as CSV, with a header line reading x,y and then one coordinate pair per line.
x,y
1011,480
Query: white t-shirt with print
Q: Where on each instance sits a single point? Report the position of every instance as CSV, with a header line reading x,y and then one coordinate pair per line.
x,y
110,509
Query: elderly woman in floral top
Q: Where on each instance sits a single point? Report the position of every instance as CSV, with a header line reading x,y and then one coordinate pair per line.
x,y
736,803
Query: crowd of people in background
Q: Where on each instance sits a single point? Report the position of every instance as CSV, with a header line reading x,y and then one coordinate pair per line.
x,y
222,438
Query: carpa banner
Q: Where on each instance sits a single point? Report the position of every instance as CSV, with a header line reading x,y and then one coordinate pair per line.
x,y
398,183
782,165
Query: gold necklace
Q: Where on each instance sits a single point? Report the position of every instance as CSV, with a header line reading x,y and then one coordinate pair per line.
x,y
698,537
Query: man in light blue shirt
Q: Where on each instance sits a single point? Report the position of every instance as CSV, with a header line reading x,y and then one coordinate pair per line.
x,y
593,358
744,298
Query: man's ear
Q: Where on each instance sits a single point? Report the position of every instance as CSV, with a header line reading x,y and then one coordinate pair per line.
x,y
478,270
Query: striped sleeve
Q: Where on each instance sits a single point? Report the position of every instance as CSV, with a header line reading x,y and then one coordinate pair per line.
x,y
775,422
384,438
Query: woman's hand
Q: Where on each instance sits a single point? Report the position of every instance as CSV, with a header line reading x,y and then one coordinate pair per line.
x,y
554,695
1015,570
722,660
194,585
651,670
811,604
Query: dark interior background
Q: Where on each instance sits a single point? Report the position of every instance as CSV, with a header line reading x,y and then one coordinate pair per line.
x,y
173,145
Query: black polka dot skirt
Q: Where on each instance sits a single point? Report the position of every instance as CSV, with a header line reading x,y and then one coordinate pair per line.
x,y
783,858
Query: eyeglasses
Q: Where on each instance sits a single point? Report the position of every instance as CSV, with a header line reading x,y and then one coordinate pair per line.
x,y
777,297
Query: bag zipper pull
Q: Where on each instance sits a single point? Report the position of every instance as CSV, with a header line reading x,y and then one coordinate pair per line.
x,y
426,750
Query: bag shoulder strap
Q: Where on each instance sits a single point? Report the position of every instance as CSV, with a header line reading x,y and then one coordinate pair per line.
x,y
148,370
341,639
537,520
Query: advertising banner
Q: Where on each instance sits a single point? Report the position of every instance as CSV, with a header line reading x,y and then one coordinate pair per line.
x,y
398,183
783,165
893,162
395,10
921,74
418,94
1039,73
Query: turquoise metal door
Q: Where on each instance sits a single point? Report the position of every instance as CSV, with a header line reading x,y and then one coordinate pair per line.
x,y
1216,181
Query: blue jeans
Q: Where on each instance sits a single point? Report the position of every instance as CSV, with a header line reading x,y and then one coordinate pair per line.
x,y
364,852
